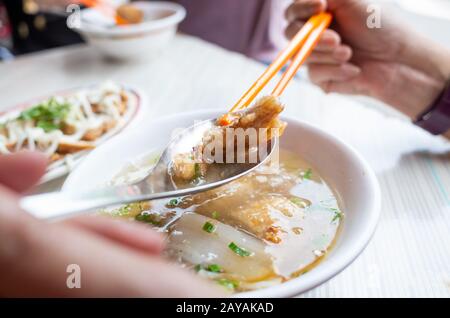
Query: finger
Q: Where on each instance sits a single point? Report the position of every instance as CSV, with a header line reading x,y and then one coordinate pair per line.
x,y
134,235
303,9
329,41
350,87
44,252
339,56
292,29
21,171
319,73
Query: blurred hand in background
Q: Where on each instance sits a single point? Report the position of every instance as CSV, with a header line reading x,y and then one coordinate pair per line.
x,y
392,63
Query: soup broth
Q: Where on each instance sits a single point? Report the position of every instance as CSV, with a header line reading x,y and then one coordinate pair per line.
x,y
265,228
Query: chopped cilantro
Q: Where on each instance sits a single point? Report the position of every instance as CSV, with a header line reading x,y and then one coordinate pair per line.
x,y
47,115
215,215
238,250
209,227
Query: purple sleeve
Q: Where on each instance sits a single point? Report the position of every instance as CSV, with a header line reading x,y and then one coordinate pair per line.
x,y
242,26
436,119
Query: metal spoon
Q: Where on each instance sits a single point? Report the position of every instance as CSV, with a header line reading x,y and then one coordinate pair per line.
x,y
157,184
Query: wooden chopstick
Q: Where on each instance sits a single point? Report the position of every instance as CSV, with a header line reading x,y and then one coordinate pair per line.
x,y
303,54
314,25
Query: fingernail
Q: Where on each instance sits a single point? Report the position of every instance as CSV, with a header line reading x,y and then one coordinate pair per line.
x,y
350,70
320,5
342,53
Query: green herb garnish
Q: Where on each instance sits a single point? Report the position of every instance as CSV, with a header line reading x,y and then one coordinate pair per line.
x,y
48,115
148,218
215,215
209,227
307,174
214,268
228,283
173,203
338,215
239,250
198,176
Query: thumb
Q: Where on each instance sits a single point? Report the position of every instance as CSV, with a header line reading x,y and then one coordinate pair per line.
x,y
21,171
131,234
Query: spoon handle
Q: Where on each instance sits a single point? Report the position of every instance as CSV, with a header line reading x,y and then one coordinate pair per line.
x,y
60,205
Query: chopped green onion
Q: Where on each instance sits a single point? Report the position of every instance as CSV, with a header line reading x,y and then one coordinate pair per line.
x,y
215,215
338,215
174,202
214,268
307,174
148,218
209,227
228,283
238,250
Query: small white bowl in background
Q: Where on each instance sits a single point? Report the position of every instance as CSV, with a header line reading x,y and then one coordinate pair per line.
x,y
352,179
139,41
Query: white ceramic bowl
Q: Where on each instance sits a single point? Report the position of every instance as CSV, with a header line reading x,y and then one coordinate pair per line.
x,y
345,171
137,41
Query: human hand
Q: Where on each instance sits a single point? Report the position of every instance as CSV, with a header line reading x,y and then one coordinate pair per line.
x,y
116,258
391,63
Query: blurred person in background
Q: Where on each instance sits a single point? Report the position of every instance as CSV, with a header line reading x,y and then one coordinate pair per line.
x,y
251,27
5,34
37,25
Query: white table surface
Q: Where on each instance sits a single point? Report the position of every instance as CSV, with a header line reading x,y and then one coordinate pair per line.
x,y
409,255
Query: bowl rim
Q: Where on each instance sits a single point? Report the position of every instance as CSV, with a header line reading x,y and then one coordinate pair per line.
x,y
323,271
178,14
